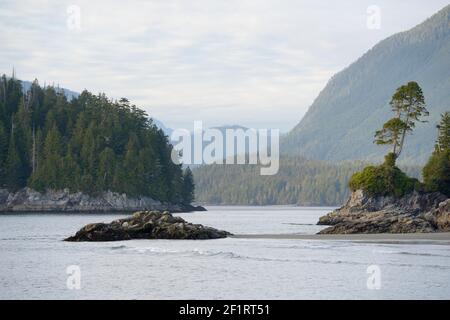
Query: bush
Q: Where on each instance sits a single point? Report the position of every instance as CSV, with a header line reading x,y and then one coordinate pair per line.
x,y
436,173
384,180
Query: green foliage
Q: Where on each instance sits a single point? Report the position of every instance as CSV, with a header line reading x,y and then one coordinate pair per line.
x,y
383,180
408,104
436,173
389,159
391,132
188,186
299,181
14,177
3,153
443,140
89,144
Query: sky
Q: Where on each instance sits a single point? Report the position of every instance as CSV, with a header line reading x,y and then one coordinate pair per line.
x,y
257,63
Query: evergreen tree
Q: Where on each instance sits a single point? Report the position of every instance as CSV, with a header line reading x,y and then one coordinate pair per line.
x,y
107,164
436,173
15,177
443,140
90,144
50,168
408,104
188,186
70,171
3,154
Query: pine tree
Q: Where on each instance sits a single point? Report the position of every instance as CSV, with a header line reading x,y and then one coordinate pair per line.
x,y
408,104
3,154
131,165
90,144
188,186
49,172
436,173
70,171
443,140
107,164
15,178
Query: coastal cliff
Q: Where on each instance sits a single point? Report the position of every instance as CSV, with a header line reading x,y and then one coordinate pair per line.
x,y
29,200
413,213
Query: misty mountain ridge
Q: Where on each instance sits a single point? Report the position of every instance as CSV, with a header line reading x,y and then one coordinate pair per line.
x,y
340,123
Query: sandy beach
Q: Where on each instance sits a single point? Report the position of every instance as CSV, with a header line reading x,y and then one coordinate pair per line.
x,y
407,238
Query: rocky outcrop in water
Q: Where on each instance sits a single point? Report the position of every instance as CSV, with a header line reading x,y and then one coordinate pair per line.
x,y
415,212
28,200
146,225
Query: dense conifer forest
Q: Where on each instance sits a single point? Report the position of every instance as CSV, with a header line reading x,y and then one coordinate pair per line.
x,y
299,181
90,144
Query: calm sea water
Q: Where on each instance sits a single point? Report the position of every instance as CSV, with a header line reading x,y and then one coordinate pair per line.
x,y
34,261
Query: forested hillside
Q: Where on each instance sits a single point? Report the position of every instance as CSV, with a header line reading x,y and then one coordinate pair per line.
x,y
90,144
355,102
299,181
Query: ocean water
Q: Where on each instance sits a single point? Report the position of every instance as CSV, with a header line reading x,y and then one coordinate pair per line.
x,y
34,261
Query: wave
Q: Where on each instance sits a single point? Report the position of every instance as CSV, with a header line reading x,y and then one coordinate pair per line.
x,y
407,253
233,255
193,252
226,255
118,247
424,254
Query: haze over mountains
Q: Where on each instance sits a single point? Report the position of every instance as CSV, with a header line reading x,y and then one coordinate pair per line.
x,y
69,93
340,123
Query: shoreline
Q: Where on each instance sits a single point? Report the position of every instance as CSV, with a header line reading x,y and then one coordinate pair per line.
x,y
27,200
419,238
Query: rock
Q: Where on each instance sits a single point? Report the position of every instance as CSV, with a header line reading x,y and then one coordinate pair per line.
x,y
198,208
28,200
442,214
146,225
412,213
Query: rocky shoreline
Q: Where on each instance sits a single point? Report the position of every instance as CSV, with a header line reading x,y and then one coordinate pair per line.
x,y
147,225
412,213
28,200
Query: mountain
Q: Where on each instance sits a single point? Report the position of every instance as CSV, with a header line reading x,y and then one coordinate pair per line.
x,y
223,131
340,123
167,131
300,181
26,85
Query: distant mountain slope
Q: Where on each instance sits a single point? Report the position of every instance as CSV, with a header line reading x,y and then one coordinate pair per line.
x,y
68,93
340,123
160,124
300,181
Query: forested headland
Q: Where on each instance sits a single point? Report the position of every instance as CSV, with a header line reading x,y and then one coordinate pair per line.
x,y
89,144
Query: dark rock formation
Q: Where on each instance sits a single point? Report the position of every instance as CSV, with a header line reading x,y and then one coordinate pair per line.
x,y
415,212
197,208
28,200
146,225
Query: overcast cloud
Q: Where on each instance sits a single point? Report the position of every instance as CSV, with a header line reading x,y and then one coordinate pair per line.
x,y
257,63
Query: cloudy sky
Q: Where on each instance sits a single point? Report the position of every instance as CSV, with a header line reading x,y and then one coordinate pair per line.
x,y
258,63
